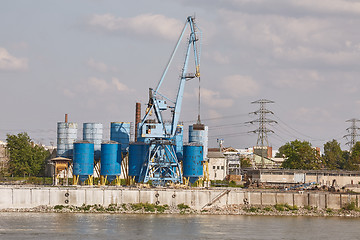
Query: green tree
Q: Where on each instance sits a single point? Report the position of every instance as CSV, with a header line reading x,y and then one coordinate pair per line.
x,y
299,155
353,161
245,163
25,157
333,157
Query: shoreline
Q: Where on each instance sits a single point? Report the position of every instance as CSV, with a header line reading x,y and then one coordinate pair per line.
x,y
181,209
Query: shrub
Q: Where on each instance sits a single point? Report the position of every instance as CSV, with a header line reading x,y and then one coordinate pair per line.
x,y
58,207
182,206
329,210
268,209
350,206
280,207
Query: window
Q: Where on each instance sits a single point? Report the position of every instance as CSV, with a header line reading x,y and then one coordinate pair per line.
x,y
214,167
218,167
222,167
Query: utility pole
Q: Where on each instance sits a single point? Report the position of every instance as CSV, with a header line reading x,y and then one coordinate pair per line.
x,y
352,132
262,130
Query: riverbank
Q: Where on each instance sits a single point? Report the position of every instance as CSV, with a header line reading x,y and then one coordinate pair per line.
x,y
146,208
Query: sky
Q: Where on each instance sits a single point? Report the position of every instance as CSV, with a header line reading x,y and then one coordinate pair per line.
x,y
95,59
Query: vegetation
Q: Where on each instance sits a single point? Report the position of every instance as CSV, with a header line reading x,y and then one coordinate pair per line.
x,y
26,158
182,206
299,155
245,163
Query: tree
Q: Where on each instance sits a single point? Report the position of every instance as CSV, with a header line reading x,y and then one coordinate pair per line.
x,y
25,157
333,157
353,161
299,155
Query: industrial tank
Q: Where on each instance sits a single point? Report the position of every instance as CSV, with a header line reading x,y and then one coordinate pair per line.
x,y
83,162
198,133
93,132
138,153
193,162
120,132
66,136
110,160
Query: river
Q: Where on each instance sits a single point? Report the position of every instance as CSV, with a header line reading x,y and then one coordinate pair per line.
x,y
52,226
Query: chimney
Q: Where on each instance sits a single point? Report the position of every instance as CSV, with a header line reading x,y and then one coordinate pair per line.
x,y
66,117
137,118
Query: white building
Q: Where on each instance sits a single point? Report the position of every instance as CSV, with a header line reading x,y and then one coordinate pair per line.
x,y
217,166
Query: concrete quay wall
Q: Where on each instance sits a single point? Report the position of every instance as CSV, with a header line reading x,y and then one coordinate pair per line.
x,y
29,197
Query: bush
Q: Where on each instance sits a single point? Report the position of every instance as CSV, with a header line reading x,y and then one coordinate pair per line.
x,y
268,209
329,210
279,207
182,206
350,206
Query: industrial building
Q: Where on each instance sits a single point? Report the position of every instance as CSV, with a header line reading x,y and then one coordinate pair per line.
x,y
330,178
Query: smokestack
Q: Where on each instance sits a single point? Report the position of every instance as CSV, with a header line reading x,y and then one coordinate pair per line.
x,y
66,117
137,118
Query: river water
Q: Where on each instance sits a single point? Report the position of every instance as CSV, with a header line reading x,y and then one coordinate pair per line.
x,y
52,226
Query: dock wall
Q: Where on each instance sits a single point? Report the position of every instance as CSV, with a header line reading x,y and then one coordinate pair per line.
x,y
28,197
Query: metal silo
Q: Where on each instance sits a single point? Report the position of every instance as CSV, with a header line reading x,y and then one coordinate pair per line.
x,y
66,136
198,133
193,162
110,162
93,132
138,153
83,162
120,132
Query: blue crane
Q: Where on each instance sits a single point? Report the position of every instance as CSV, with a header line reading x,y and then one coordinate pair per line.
x,y
162,163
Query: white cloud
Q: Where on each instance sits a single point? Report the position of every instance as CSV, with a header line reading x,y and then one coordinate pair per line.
x,y
146,24
11,63
213,99
218,57
238,85
121,87
296,78
97,65
100,85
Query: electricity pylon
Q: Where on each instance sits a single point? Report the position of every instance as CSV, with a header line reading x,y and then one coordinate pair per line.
x,y
352,132
262,130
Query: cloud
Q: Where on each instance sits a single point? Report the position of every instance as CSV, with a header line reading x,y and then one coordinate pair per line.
x,y
145,24
218,57
11,63
121,87
97,65
296,78
103,86
238,85
213,99
100,85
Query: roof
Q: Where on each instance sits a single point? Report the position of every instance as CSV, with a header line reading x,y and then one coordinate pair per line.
x,y
215,155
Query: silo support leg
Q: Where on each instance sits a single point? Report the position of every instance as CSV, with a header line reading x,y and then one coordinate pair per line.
x,y
117,181
75,179
90,180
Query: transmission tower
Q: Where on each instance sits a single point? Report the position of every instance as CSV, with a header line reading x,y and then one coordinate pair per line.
x,y
262,130
352,132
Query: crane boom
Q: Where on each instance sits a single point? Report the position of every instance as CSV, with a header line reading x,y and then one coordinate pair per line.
x,y
162,163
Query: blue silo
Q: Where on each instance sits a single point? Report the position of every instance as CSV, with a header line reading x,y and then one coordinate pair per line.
x,y
193,162
120,132
110,160
138,153
83,162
